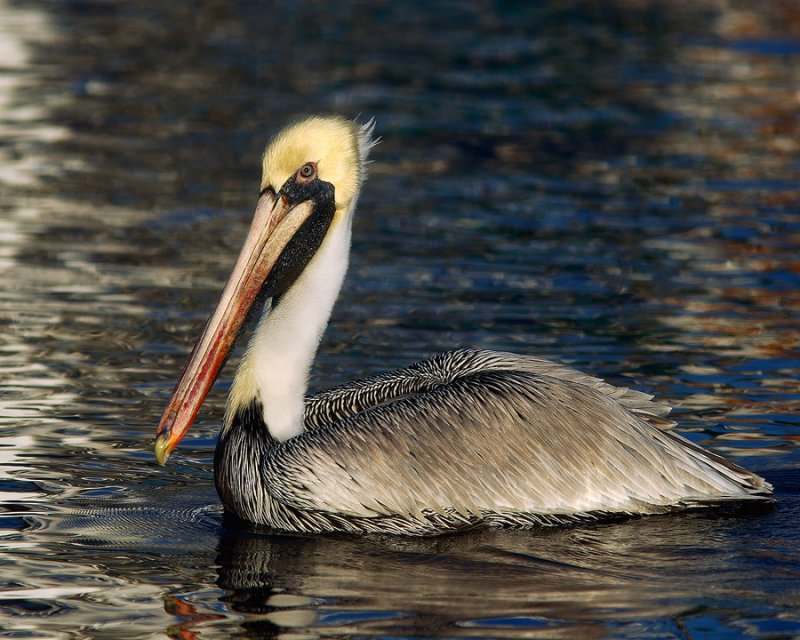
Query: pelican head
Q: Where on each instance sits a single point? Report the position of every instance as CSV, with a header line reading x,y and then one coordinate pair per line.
x,y
311,176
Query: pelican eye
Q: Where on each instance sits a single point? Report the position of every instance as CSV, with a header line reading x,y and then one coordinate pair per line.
x,y
307,172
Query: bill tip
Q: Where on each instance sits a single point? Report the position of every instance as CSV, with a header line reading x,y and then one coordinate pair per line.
x,y
162,449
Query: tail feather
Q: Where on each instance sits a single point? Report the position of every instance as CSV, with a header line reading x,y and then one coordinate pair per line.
x,y
752,486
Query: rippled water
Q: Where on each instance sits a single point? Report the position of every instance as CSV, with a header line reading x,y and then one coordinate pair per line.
x,y
614,185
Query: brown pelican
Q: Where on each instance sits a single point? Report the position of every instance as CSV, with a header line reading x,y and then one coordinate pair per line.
x,y
467,438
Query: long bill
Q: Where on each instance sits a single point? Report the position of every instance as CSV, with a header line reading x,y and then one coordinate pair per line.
x,y
274,224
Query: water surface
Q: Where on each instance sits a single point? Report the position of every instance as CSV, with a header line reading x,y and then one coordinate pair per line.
x,y
613,185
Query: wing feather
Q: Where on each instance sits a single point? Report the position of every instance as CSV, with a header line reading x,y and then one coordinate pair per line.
x,y
496,440
347,400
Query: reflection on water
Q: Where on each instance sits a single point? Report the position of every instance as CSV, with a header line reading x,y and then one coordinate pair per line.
x,y
549,584
614,186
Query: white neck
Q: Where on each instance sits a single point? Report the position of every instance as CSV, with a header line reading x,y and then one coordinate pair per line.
x,y
276,366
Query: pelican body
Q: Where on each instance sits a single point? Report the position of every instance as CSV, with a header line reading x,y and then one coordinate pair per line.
x,y
465,439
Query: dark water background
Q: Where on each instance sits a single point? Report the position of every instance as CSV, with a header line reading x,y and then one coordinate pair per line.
x,y
611,184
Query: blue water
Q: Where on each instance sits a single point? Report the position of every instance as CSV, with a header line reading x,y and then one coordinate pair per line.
x,y
614,185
